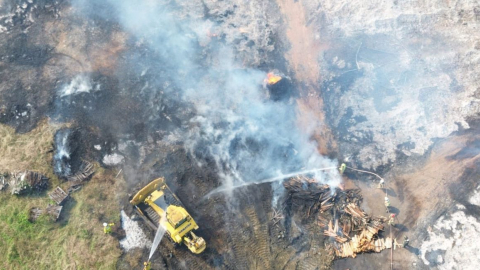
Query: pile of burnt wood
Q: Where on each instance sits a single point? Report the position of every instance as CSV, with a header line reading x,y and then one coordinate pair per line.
x,y
338,212
84,173
23,182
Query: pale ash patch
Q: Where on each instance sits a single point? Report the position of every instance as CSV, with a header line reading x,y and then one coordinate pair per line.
x,y
134,235
458,236
475,198
113,159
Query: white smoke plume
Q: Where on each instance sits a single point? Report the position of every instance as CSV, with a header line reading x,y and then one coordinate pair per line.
x,y
248,136
79,84
62,154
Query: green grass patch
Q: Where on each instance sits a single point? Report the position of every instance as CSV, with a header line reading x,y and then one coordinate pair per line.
x,y
76,240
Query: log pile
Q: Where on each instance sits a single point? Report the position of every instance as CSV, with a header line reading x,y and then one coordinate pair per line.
x,y
349,228
366,241
332,232
306,188
322,221
354,210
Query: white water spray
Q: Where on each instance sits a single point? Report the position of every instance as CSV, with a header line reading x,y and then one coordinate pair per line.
x,y
158,237
161,228
268,180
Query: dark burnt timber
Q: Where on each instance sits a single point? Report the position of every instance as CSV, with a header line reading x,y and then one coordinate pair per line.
x,y
281,90
338,213
28,181
77,180
85,171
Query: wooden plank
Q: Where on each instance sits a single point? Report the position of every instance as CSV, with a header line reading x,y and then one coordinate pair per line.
x,y
35,213
58,195
54,211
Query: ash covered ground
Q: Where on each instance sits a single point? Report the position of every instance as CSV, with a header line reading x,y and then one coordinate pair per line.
x,y
176,89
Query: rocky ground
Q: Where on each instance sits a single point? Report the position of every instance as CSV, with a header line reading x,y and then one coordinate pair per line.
x,y
388,86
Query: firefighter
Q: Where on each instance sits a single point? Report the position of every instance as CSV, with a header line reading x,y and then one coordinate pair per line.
x,y
107,227
342,168
381,184
387,204
391,221
405,241
147,265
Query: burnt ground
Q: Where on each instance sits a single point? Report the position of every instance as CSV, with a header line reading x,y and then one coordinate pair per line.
x,y
240,233
239,228
421,188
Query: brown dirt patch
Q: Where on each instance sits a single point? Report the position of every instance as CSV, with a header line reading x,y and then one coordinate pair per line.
x,y
105,56
426,190
305,48
75,50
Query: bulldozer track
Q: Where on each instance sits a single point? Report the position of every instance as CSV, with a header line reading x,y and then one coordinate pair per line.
x,y
283,258
242,235
152,215
170,199
260,237
239,252
250,237
308,263
253,239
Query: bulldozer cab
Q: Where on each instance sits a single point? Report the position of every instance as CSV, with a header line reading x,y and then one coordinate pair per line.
x,y
176,217
156,200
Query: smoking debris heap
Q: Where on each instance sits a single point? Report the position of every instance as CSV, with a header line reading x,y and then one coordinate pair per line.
x,y
350,229
23,182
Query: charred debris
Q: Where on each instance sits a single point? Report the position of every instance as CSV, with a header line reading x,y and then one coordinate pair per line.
x,y
25,182
350,230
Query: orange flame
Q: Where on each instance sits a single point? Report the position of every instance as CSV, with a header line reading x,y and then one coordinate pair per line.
x,y
272,78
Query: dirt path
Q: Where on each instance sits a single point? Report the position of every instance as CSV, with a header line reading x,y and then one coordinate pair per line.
x,y
305,48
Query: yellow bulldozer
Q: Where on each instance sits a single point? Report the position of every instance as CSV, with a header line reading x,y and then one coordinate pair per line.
x,y
159,206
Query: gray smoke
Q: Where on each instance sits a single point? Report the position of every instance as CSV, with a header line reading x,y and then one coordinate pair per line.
x,y
248,136
61,158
